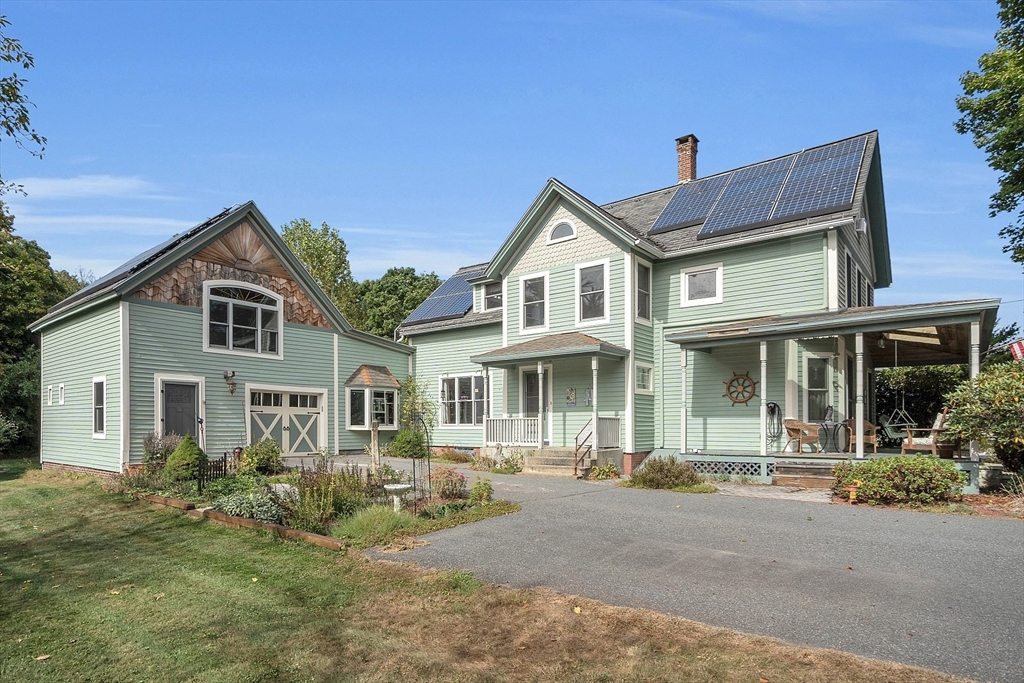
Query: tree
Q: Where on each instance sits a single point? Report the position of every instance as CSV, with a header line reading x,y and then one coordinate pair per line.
x,y
1000,336
14,118
386,302
991,108
990,409
324,254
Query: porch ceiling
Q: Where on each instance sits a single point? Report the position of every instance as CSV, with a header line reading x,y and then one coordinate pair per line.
x,y
549,347
921,334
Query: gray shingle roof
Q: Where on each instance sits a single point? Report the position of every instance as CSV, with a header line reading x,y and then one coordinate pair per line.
x,y
372,376
563,344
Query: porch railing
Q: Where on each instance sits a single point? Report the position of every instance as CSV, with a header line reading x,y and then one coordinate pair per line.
x,y
608,432
512,431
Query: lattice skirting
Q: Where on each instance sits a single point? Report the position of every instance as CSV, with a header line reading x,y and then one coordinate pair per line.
x,y
733,468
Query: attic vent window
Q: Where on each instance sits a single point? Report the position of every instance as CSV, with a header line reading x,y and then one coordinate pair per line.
x,y
242,320
562,232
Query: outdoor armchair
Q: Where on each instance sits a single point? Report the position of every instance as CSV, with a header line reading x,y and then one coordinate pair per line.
x,y
801,433
925,438
870,434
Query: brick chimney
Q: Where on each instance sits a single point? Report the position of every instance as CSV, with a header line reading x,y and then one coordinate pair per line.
x,y
686,148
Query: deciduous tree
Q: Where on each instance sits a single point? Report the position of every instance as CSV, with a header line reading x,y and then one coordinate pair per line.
x,y
992,114
325,255
14,104
386,302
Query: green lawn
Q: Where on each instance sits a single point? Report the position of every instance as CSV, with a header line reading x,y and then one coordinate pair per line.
x,y
111,589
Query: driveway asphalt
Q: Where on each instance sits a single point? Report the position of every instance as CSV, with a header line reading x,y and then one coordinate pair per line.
x,y
938,591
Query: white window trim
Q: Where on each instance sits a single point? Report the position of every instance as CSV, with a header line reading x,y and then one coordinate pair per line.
x,y
441,424
829,387
49,395
248,388
683,272
564,221
158,401
637,262
603,320
368,409
650,369
106,407
483,297
547,303
60,394
231,352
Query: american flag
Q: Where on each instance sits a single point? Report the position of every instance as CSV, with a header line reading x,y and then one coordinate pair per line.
x,y
1017,349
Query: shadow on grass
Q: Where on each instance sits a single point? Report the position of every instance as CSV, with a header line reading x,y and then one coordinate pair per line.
x,y
14,468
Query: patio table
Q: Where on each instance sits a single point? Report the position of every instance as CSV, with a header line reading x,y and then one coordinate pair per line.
x,y
832,436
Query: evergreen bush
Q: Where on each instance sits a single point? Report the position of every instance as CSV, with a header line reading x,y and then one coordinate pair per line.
x,y
900,480
990,409
183,463
409,443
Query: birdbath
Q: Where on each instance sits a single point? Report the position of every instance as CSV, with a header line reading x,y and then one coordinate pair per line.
x,y
397,491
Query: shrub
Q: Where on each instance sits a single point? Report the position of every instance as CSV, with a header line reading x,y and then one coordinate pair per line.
x,y
183,463
409,443
900,480
481,492
240,483
156,449
608,471
452,455
664,473
990,409
482,463
440,510
373,525
141,479
8,431
447,483
261,506
351,493
261,458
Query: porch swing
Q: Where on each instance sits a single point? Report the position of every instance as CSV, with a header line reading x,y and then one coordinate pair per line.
x,y
899,419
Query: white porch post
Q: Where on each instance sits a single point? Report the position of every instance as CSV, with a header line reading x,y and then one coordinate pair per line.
x,y
859,431
682,417
975,369
764,398
540,404
593,403
487,401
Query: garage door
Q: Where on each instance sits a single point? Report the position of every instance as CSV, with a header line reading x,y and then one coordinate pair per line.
x,y
292,419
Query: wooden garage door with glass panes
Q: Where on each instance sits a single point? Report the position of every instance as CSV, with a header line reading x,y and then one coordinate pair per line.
x,y
293,419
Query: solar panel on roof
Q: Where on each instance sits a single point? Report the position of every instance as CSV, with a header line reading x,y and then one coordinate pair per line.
x,y
452,299
750,196
690,204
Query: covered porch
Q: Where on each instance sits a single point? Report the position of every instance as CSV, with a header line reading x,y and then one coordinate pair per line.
x,y
562,391
840,350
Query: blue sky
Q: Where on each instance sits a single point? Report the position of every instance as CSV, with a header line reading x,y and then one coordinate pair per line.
x,y
423,131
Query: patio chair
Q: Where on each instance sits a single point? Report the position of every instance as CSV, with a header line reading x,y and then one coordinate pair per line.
x,y
870,434
925,438
802,433
889,431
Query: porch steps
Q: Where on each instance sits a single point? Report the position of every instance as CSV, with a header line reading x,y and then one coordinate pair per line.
x,y
809,475
556,462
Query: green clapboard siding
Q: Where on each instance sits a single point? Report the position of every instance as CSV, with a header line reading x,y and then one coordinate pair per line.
x,y
353,352
448,352
168,339
73,353
644,404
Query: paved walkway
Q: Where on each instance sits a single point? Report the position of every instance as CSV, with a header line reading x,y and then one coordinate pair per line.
x,y
939,591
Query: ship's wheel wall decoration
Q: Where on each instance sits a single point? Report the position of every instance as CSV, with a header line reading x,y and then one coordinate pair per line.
x,y
740,389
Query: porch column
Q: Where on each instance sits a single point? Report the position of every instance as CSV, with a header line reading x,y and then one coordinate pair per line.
x,y
764,398
859,430
682,417
593,403
975,369
540,404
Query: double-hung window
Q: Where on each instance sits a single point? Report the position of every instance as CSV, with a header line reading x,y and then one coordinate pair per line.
x,y
644,378
817,388
462,400
643,291
366,405
242,319
591,289
701,285
492,296
99,407
534,291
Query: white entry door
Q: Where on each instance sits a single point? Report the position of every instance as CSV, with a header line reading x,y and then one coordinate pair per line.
x,y
294,419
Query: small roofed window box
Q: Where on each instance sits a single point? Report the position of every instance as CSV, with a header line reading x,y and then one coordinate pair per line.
x,y
372,394
243,320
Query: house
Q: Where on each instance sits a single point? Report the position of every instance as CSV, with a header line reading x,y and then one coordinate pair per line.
x,y
219,333
687,320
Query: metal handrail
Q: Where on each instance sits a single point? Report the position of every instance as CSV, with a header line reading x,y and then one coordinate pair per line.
x,y
578,460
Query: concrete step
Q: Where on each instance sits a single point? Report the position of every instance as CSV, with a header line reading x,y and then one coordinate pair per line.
x,y
550,470
805,481
551,460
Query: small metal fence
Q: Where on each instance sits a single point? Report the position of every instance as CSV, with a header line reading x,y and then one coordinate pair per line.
x,y
210,470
